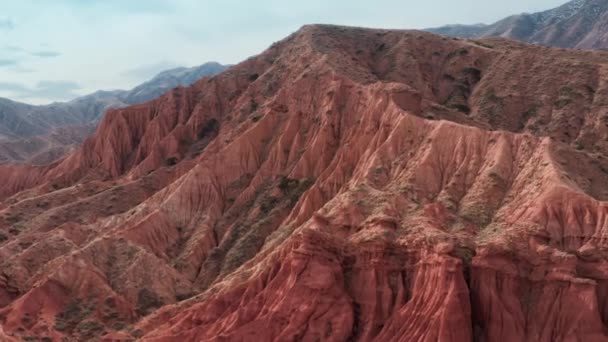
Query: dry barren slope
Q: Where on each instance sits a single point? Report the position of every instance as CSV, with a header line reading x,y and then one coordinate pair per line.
x,y
576,24
346,184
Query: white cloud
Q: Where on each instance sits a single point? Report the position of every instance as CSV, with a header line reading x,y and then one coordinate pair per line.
x,y
47,90
46,54
8,62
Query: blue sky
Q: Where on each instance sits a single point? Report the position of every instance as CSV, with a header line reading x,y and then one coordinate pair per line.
x,y
55,50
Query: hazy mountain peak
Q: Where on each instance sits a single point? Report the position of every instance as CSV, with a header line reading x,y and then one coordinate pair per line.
x,y
19,122
168,79
576,24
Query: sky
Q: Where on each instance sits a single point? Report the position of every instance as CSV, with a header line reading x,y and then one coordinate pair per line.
x,y
57,50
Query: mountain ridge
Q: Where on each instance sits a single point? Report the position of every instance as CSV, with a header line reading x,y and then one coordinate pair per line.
x,y
389,184
576,24
26,129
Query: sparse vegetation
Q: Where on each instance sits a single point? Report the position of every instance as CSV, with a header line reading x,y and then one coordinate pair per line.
x,y
291,188
490,96
482,44
566,91
25,244
473,74
89,329
565,97
253,105
147,301
464,253
183,296
461,108
530,113
462,51
296,188
26,319
476,214
210,128
268,203
247,239
250,240
171,161
561,103
285,184
118,326
73,314
42,205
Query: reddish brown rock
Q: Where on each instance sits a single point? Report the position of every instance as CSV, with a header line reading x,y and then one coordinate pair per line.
x,y
346,184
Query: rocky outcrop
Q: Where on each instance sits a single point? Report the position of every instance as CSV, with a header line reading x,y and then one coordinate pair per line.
x,y
346,184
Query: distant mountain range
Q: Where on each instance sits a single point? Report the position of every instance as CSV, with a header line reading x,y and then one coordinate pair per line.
x,y
576,24
40,133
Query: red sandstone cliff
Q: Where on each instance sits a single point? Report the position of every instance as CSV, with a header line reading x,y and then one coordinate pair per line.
x,y
346,184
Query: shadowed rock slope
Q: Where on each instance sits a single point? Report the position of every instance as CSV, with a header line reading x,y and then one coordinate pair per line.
x,y
346,184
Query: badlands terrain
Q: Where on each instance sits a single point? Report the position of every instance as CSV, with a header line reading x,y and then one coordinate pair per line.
x,y
43,134
346,184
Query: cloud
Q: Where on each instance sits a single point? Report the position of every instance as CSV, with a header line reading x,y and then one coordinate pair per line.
x,y
6,24
46,54
13,87
53,90
21,69
145,72
13,48
120,6
8,62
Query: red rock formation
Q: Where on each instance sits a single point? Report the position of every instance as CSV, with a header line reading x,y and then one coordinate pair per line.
x,y
42,134
346,184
